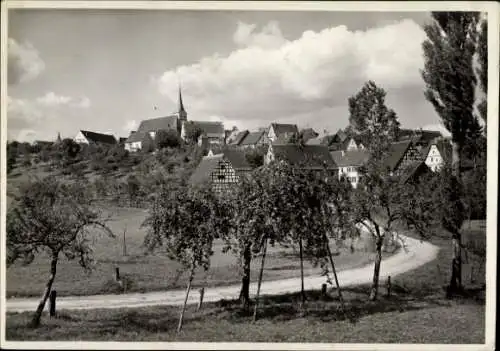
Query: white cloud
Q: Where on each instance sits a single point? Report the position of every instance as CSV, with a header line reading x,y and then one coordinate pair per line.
x,y
51,99
24,62
271,78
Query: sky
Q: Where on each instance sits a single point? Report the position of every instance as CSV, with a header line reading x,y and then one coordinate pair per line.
x,y
106,70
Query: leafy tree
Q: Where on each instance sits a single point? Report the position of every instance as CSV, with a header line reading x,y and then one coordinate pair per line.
x,y
185,222
449,75
370,117
193,132
11,156
255,157
482,51
167,138
55,219
70,148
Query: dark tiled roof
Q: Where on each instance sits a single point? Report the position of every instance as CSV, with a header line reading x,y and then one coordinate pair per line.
x,y
209,164
280,128
413,171
239,137
395,154
307,156
137,136
155,124
99,137
210,129
206,166
350,158
252,138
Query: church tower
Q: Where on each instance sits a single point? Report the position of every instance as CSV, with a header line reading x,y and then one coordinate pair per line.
x,y
182,111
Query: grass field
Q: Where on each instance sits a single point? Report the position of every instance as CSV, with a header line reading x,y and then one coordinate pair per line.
x,y
153,272
416,312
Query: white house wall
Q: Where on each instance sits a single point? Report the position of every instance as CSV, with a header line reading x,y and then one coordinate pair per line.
x,y
81,139
351,173
434,159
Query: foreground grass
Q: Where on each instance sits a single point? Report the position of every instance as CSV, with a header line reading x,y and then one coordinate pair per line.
x,y
416,312
143,272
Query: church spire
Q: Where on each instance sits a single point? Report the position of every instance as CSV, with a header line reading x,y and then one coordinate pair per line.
x,y
182,111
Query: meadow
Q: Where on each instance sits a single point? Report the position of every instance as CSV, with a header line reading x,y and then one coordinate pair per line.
x,y
142,271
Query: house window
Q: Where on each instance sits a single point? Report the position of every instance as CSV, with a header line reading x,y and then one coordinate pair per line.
x,y
221,176
222,166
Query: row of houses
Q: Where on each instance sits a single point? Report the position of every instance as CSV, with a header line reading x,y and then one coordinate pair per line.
x,y
404,157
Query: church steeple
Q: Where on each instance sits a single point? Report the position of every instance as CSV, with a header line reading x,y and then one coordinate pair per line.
x,y
58,140
182,111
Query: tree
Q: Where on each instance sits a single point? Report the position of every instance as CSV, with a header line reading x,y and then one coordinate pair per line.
x,y
185,222
369,116
167,138
255,157
53,218
482,51
70,148
11,156
193,132
449,75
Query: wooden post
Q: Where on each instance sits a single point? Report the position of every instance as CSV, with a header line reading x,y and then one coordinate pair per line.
x,y
202,293
181,318
472,273
117,274
260,281
124,242
389,286
52,304
323,290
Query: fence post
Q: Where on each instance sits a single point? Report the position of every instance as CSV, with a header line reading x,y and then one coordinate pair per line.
x,y
52,304
389,286
323,290
117,274
202,293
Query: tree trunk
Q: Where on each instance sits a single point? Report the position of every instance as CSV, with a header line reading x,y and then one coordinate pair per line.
x,y
35,322
181,318
456,159
376,271
302,292
456,268
335,276
260,281
245,281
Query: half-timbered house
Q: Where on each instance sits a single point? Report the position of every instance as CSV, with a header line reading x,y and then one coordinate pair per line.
x,y
401,155
221,170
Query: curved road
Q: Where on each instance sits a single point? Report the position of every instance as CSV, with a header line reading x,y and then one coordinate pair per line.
x,y
417,254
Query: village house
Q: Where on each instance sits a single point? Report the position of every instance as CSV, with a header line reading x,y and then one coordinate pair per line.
x,y
221,170
252,140
436,154
421,138
93,138
401,155
309,157
238,138
349,163
279,132
210,132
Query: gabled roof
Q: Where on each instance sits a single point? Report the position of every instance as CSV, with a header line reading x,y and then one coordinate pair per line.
x,y
239,137
341,135
137,136
306,156
252,138
155,124
350,158
280,128
413,171
98,137
209,129
395,154
209,164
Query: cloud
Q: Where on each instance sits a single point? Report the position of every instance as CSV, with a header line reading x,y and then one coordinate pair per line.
x,y
51,99
24,62
271,78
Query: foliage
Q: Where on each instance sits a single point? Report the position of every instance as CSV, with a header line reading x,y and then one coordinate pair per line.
x,y
369,116
193,132
448,54
255,157
167,138
70,148
482,51
54,218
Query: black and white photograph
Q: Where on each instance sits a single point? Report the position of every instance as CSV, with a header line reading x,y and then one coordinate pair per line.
x,y
249,175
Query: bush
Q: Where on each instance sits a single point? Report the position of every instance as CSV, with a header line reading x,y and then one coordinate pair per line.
x,y
167,138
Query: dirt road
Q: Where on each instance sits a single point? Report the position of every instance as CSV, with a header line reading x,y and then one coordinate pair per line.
x,y
417,254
